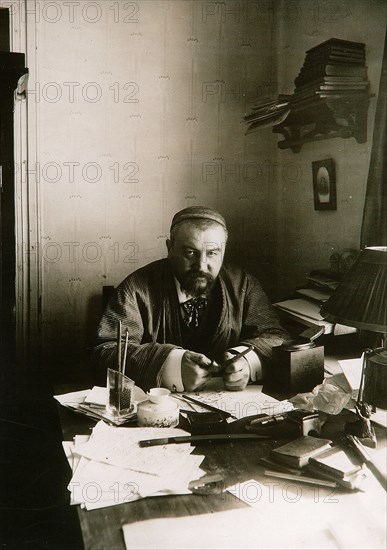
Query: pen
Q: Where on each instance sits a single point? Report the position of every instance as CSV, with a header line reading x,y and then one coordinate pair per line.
x,y
219,369
192,438
210,407
267,420
234,357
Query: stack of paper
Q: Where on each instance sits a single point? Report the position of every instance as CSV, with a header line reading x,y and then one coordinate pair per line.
x,y
268,113
92,403
306,312
111,468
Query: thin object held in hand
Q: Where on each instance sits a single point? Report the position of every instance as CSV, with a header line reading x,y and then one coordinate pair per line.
x,y
219,369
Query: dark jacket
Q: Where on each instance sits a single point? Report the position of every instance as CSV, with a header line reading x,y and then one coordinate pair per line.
x,y
147,304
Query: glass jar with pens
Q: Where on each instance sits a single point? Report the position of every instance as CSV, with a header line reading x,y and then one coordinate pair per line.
x,y
119,386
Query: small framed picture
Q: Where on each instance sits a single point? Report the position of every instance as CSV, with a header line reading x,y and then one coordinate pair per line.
x,y
324,184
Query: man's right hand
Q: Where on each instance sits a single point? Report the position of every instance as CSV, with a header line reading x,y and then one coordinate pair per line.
x,y
195,370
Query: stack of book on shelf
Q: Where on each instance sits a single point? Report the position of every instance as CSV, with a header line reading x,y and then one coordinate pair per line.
x,y
268,113
305,307
334,69
314,460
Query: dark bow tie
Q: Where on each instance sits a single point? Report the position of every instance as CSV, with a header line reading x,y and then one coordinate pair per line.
x,y
192,308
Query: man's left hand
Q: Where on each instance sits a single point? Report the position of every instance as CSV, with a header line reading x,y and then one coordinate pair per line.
x,y
237,374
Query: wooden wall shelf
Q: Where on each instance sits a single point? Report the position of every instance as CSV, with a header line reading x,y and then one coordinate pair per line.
x,y
342,116
331,98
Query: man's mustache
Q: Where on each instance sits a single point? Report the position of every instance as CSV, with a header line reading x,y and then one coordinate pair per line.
x,y
193,274
190,282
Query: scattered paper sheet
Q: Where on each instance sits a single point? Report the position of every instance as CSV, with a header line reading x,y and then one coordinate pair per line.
x,y
72,397
119,446
97,395
250,401
277,513
92,403
109,467
352,371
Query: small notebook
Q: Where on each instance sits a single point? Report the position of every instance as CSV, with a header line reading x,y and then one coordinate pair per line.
x,y
297,452
335,462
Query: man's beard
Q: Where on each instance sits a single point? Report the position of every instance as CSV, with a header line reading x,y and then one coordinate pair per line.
x,y
197,283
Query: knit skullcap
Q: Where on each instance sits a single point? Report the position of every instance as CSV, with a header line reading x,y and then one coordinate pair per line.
x,y
198,213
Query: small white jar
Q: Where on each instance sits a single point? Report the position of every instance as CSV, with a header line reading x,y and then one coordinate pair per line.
x,y
159,411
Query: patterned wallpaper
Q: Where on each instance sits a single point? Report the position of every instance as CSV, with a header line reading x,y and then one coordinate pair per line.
x,y
139,114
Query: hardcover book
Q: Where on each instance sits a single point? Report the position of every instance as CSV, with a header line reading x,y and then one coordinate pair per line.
x,y
335,462
298,452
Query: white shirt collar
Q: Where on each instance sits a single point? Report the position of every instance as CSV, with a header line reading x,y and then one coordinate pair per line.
x,y
182,296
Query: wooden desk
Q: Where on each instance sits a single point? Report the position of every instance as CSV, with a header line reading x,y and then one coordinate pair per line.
x,y
286,514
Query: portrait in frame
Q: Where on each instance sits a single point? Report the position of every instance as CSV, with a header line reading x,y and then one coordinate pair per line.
x,y
324,184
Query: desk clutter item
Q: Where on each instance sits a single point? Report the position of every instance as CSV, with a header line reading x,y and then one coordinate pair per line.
x,y
159,410
315,459
118,470
206,422
120,388
199,438
297,452
336,462
305,307
336,465
291,424
297,366
94,404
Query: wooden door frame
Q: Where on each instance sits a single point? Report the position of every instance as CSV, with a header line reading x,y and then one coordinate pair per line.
x,y
27,192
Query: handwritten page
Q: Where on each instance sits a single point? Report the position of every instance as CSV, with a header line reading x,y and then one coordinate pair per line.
x,y
250,401
119,446
110,467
